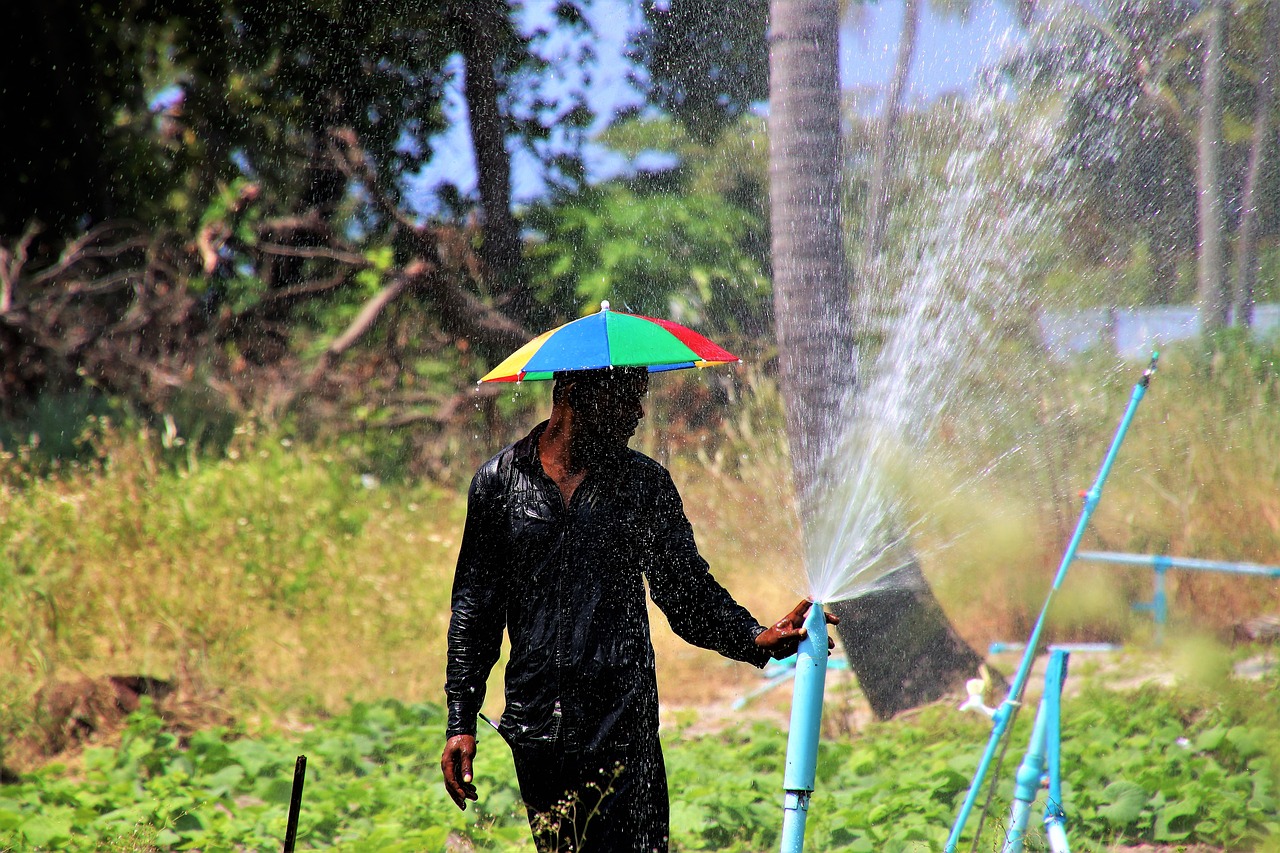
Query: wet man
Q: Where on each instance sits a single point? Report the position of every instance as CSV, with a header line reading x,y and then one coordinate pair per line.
x,y
563,529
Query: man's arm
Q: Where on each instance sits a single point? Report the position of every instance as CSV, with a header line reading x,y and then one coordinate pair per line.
x,y
699,609
475,630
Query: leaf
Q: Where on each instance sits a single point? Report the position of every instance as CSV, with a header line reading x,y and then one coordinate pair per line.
x,y
1247,742
225,780
1124,803
1175,821
46,830
689,819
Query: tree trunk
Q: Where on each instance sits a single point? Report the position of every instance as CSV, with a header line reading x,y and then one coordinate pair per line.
x,y
899,644
1246,258
486,23
887,134
1211,271
1164,272
811,296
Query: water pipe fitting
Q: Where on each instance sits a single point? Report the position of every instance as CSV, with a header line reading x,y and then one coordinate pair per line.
x,y
806,725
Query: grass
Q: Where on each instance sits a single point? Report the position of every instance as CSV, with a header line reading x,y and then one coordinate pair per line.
x,y
273,575
1195,477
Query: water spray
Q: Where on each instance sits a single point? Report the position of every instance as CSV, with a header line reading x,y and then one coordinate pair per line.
x,y
1002,720
806,724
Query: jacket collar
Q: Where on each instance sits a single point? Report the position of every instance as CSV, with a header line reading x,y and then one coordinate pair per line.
x,y
526,449
525,452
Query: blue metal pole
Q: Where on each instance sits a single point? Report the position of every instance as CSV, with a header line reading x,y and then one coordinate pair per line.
x,y
1156,560
1161,563
1005,713
806,723
1055,815
1160,598
1042,755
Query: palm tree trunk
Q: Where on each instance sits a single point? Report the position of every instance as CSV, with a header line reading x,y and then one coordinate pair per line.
x,y
811,297
1212,273
899,644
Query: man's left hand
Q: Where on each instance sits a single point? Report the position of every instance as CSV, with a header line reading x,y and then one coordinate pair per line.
x,y
783,637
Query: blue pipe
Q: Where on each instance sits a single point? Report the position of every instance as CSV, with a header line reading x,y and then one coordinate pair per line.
x,y
806,723
1161,563
1042,754
1158,561
1003,716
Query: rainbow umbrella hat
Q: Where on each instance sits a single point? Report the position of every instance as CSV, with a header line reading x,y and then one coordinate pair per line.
x,y
610,339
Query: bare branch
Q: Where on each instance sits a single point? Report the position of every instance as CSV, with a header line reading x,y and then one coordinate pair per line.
x,y
460,311
11,264
340,255
355,330
311,288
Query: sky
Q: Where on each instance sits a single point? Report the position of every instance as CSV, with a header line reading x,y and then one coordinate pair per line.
x,y
948,55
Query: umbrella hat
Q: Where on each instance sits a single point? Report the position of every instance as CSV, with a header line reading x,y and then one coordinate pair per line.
x,y
610,339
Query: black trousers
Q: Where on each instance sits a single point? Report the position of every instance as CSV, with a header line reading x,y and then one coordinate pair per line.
x,y
609,802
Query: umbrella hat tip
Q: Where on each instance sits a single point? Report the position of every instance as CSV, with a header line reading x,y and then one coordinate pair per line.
x,y
604,304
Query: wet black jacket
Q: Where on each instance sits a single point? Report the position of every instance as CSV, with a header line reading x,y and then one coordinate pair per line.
x,y
568,586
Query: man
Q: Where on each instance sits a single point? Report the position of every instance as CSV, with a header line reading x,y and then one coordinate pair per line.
x,y
563,528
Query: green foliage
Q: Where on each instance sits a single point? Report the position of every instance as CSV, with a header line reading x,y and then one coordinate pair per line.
x,y
708,60
370,784
56,430
688,243
1151,766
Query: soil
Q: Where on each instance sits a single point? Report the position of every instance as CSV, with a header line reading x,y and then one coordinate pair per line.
x,y
73,714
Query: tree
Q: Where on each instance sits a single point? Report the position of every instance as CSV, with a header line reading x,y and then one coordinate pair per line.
x,y
265,201
1246,254
73,143
707,60
882,154
1154,107
688,243
900,644
1211,266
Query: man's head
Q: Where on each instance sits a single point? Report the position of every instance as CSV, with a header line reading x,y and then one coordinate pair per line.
x,y
607,404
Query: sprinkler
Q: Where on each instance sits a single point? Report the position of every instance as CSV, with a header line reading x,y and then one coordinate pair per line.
x,y
806,723
1002,718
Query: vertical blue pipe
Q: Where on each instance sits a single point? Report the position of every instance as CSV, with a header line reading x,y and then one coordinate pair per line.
x,y
1055,814
1004,714
1042,755
1160,597
806,723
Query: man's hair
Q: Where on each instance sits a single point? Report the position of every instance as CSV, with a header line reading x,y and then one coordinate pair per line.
x,y
565,378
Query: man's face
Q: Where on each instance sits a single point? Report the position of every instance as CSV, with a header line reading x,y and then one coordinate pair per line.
x,y
607,411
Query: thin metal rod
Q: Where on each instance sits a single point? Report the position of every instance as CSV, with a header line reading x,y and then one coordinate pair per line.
x,y
1008,709
295,804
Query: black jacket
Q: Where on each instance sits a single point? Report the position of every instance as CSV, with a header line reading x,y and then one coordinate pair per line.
x,y
568,586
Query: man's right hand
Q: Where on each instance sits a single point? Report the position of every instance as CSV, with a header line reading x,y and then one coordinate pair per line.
x,y
459,750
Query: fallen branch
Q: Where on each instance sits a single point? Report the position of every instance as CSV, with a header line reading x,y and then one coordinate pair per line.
x,y
362,323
